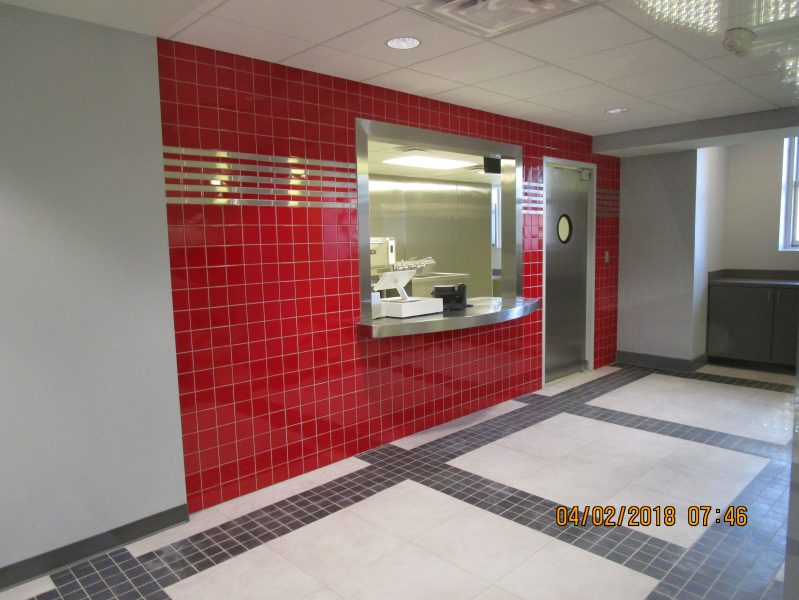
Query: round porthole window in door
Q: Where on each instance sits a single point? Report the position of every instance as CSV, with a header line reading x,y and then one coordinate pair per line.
x,y
564,228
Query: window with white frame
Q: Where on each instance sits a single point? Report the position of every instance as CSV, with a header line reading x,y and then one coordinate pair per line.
x,y
789,223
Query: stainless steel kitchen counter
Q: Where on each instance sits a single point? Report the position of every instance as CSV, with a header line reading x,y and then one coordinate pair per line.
x,y
485,311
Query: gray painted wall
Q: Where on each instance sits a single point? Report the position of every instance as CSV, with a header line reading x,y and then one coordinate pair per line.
x,y
89,433
711,198
656,254
753,207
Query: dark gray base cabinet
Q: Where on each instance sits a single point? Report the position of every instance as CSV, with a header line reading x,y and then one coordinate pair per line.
x,y
751,323
784,328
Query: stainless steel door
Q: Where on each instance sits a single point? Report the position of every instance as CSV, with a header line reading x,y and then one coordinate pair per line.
x,y
566,227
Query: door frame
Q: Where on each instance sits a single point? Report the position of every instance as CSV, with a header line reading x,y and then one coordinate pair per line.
x,y
590,271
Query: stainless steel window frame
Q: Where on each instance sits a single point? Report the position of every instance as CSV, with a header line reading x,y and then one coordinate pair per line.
x,y
511,196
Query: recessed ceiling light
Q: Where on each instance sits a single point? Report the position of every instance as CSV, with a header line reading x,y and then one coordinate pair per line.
x,y
428,162
617,110
403,43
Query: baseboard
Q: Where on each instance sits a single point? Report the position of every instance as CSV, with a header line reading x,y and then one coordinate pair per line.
x,y
654,361
36,566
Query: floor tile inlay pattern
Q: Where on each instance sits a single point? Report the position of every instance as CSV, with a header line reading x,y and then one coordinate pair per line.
x,y
725,562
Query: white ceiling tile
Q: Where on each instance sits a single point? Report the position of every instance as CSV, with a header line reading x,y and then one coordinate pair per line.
x,y
665,80
180,25
642,114
771,87
221,34
149,18
698,45
370,40
588,95
521,109
640,109
738,67
535,82
472,97
209,5
304,19
575,34
569,121
639,57
340,64
405,80
477,63
714,100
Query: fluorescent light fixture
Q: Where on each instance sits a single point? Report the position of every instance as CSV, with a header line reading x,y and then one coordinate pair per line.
x,y
428,162
617,110
697,15
403,43
379,185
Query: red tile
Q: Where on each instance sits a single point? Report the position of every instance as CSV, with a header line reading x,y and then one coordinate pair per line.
x,y
246,295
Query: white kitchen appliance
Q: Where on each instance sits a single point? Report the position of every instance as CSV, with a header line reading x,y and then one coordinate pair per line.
x,y
383,254
404,306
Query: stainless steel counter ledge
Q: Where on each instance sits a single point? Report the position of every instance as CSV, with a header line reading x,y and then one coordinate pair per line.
x,y
485,311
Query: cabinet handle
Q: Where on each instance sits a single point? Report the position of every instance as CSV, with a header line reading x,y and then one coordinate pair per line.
x,y
779,293
769,296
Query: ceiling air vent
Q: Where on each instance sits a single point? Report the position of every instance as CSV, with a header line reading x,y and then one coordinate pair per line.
x,y
490,18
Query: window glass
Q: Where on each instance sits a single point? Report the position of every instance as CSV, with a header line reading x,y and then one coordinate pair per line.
x,y
789,222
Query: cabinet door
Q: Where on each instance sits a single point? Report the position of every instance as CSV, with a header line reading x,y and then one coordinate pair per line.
x,y
784,330
739,322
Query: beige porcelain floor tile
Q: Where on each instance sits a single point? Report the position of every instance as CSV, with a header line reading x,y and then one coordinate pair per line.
x,y
334,548
573,380
323,594
483,543
496,593
260,574
563,572
499,463
410,573
613,460
274,493
697,485
408,509
680,533
28,589
554,438
434,433
570,486
645,443
781,378
749,412
721,460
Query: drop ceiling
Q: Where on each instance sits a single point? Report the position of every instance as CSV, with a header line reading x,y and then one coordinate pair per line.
x,y
563,72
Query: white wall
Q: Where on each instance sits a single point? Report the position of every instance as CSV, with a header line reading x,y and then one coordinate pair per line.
x,y
754,185
656,254
711,198
89,432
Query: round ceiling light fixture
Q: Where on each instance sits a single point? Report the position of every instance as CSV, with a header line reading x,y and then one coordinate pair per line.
x,y
617,110
403,43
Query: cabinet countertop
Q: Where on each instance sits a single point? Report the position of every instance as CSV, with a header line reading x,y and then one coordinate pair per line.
x,y
754,282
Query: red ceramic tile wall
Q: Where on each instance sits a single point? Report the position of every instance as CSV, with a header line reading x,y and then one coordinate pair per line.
x,y
273,379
